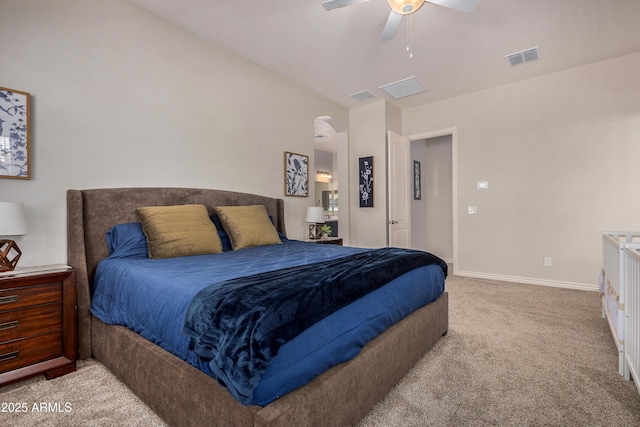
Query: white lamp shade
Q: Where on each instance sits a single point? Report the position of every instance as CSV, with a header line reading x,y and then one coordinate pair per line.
x,y
315,214
12,219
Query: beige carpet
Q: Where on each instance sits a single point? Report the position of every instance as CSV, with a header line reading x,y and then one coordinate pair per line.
x,y
515,354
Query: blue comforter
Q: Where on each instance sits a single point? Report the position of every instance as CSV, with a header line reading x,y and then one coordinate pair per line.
x,y
151,297
239,325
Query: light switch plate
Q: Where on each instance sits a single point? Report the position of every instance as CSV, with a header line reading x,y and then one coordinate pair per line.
x,y
483,185
472,210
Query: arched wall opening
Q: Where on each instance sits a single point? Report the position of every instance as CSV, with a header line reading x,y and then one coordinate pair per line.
x,y
330,174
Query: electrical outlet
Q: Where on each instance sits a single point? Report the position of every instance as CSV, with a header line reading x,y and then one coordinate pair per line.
x,y
547,261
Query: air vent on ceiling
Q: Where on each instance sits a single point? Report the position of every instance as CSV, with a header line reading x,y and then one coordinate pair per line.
x,y
405,87
362,96
522,56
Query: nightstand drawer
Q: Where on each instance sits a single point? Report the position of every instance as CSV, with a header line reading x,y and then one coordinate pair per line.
x,y
30,321
30,295
24,352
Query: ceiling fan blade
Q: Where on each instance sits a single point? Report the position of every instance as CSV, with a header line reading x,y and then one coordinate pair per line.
x,y
391,27
334,4
461,5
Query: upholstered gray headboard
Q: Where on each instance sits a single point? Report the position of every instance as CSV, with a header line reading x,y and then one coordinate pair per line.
x,y
91,213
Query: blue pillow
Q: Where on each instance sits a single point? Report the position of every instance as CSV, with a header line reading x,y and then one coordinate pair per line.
x,y
127,241
224,237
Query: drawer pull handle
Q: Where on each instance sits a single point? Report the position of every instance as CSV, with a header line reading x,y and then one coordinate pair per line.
x,y
8,325
9,299
8,356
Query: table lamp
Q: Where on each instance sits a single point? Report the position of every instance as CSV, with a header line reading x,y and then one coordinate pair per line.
x,y
315,216
12,223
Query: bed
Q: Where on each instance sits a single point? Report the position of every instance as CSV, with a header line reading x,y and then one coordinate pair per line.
x,y
180,392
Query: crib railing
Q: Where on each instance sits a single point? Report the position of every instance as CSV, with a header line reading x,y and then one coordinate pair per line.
x,y
632,314
612,290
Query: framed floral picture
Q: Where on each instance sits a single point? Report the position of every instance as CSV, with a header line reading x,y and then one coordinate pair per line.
x,y
296,174
365,172
15,134
417,181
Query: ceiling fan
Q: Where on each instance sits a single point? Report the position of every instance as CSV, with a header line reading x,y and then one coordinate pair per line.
x,y
399,8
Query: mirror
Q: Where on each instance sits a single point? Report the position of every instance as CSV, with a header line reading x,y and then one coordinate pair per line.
x,y
330,202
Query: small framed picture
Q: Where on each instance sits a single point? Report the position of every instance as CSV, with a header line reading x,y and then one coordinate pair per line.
x,y
365,171
296,174
15,134
417,181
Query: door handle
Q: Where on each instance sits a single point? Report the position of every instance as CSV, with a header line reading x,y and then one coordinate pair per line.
x,y
392,222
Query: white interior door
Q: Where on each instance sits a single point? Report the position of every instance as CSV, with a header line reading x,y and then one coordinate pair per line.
x,y
399,187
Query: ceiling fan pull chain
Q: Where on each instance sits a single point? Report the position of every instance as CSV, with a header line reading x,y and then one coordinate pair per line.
x,y
409,36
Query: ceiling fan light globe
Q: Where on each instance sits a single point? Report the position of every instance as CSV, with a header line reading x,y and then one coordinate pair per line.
x,y
405,7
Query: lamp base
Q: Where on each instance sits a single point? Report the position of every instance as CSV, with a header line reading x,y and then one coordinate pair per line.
x,y
314,231
9,255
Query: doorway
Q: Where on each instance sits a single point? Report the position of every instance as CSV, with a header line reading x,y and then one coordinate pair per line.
x,y
433,218
331,168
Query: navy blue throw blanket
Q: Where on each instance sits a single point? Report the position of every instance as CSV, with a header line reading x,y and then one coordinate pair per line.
x,y
240,324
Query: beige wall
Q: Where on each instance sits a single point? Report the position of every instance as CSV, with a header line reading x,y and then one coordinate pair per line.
x,y
367,138
122,98
368,126
560,153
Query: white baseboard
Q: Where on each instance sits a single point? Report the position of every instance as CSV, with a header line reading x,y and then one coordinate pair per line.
x,y
529,281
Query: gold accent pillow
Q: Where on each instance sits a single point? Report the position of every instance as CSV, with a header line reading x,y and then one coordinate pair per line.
x,y
247,226
180,230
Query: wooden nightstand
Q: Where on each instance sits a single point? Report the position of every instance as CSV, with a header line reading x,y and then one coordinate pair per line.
x,y
328,241
38,326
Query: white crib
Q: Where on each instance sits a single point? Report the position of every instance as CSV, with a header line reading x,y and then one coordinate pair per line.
x,y
632,314
614,287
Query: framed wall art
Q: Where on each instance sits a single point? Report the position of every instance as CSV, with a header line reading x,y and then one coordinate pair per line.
x,y
365,172
15,134
296,174
417,181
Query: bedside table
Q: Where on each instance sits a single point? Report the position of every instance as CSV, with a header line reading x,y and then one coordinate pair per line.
x,y
327,241
38,324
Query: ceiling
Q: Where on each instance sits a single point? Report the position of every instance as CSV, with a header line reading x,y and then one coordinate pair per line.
x,y
338,53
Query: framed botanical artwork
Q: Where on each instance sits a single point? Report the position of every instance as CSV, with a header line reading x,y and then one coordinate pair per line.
x,y
15,134
365,172
417,181
296,174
